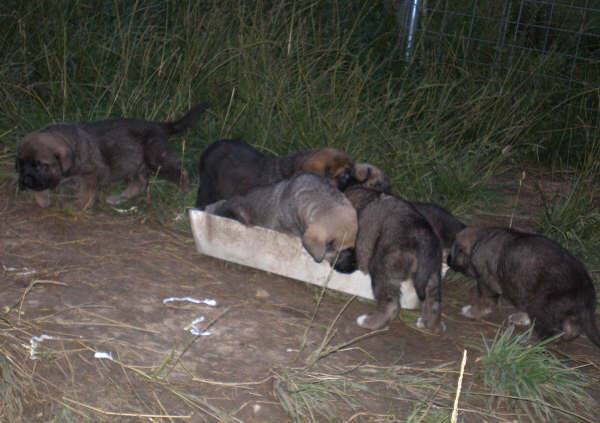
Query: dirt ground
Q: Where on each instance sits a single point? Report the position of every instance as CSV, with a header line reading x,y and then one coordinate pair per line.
x,y
95,281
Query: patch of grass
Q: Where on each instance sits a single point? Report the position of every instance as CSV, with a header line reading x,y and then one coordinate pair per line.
x,y
529,376
11,407
312,397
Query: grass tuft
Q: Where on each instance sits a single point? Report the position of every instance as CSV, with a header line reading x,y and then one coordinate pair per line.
x,y
529,376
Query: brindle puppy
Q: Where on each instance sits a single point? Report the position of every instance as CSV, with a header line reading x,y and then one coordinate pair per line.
x,y
101,153
231,167
396,246
539,277
306,205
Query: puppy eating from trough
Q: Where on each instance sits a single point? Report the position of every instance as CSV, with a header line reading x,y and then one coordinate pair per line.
x,y
231,167
307,205
541,279
101,153
397,247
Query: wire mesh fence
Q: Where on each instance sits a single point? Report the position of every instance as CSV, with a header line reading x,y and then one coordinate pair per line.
x,y
557,39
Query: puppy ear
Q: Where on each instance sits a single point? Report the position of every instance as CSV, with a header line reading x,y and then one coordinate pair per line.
x,y
65,157
314,244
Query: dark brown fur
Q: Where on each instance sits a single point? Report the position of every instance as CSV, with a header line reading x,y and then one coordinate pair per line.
x,y
231,167
395,245
307,205
99,154
535,274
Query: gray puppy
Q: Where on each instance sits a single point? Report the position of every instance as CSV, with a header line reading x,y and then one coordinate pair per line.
x,y
101,153
306,205
396,245
539,277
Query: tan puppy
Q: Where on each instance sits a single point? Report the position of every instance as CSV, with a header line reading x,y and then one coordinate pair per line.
x,y
230,167
306,205
102,153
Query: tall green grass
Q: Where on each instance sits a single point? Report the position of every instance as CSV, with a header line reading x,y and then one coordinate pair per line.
x,y
293,75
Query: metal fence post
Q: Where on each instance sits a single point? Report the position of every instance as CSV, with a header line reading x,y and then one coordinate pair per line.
x,y
412,28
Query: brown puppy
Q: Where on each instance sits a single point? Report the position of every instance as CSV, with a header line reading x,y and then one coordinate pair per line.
x,y
306,205
539,277
443,223
231,167
101,153
397,247
369,176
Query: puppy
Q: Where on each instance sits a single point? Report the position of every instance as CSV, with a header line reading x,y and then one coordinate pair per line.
x,y
369,176
397,247
231,167
539,277
443,223
306,205
101,153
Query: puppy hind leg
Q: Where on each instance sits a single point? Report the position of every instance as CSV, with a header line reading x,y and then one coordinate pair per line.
x,y
432,306
162,160
385,314
135,187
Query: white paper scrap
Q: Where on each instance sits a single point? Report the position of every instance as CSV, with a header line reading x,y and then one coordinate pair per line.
x,y
34,343
208,301
102,354
195,330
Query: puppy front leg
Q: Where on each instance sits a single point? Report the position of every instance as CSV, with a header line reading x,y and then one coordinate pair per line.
x,y
88,193
135,187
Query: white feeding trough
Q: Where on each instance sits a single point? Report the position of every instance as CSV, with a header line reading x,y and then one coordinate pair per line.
x,y
271,251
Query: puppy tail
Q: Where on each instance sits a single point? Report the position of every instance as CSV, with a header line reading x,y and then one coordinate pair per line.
x,y
188,120
588,322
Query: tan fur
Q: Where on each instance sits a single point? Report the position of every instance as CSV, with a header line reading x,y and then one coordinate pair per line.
x,y
327,162
370,176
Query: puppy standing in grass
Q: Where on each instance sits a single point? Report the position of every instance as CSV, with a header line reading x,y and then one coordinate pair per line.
x,y
539,277
101,153
396,246
231,167
307,205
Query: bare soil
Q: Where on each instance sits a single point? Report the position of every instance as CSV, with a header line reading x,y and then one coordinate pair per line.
x,y
95,281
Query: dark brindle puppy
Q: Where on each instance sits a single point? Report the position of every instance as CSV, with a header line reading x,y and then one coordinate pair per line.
x,y
231,167
101,153
443,223
307,205
396,246
539,277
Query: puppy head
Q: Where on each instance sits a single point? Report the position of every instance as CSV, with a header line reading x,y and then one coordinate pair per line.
x,y
331,232
370,176
459,258
42,161
330,163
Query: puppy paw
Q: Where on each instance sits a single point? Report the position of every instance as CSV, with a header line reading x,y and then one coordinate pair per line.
x,y
421,324
360,320
115,200
467,311
371,321
42,198
519,319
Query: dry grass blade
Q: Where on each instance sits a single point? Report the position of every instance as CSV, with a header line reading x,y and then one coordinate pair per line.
x,y
114,413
